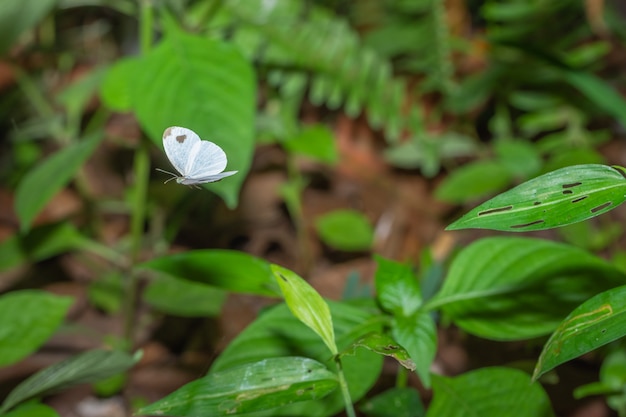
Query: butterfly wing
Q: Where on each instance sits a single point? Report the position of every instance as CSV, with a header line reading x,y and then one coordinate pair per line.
x,y
208,178
205,160
179,143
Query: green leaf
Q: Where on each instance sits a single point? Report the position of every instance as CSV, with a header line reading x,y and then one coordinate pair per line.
x,y
184,298
90,366
473,180
382,345
613,370
306,304
76,96
530,101
27,319
544,121
116,88
204,85
259,386
397,289
346,230
278,333
489,392
32,410
594,323
612,379
18,16
564,158
418,335
561,197
47,178
395,402
598,92
40,243
520,158
505,288
225,269
317,142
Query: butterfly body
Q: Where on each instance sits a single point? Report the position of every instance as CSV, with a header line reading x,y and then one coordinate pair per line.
x,y
198,161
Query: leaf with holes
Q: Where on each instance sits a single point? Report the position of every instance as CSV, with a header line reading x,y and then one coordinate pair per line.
x,y
565,196
384,345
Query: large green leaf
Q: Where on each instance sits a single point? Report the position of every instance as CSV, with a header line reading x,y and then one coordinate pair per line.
x,y
204,85
397,289
27,319
278,333
116,90
17,16
90,366
225,269
306,304
259,386
594,323
489,392
47,178
558,198
507,288
181,297
418,335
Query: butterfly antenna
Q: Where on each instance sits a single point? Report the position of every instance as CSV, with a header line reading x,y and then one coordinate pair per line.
x,y
174,176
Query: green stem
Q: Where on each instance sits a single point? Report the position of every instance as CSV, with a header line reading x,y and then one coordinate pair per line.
x,y
442,47
343,384
104,252
146,25
295,211
141,170
402,377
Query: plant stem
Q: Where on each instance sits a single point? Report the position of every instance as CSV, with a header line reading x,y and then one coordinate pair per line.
x,y
146,25
402,377
344,389
294,206
141,170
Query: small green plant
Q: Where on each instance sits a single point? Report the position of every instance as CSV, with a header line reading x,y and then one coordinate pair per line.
x,y
309,356
501,288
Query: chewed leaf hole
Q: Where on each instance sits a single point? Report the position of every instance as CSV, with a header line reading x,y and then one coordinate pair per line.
x,y
495,210
571,185
521,226
601,207
576,200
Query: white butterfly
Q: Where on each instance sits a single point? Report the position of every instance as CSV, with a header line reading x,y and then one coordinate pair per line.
x,y
197,160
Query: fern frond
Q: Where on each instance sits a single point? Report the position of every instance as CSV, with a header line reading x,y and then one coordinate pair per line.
x,y
341,71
